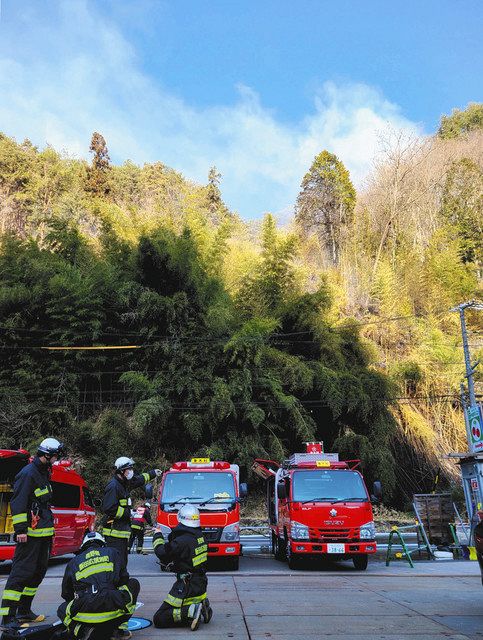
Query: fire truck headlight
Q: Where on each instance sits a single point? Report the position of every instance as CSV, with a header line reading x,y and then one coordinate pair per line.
x,y
299,531
231,533
368,531
164,530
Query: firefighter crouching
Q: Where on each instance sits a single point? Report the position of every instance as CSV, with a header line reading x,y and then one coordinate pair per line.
x,y
139,519
34,528
186,554
116,504
98,592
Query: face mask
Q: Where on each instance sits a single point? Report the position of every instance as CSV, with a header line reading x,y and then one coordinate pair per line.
x,y
128,474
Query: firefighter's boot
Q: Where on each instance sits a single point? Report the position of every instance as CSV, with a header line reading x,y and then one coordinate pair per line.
x,y
27,615
206,611
194,612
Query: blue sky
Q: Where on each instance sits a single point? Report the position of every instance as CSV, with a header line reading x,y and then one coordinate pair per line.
x,y
256,87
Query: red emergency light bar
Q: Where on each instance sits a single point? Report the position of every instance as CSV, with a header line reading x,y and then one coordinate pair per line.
x,y
215,464
312,464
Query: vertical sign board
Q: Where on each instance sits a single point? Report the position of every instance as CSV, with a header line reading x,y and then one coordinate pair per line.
x,y
475,423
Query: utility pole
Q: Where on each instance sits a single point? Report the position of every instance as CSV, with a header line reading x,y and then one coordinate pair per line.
x,y
464,334
471,462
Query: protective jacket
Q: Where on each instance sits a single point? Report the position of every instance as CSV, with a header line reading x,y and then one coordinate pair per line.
x,y
116,504
95,587
30,503
187,552
140,518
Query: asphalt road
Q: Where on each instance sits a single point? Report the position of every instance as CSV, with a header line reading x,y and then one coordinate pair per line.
x,y
266,601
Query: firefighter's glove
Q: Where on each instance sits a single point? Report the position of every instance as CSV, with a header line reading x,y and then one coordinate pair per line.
x,y
158,473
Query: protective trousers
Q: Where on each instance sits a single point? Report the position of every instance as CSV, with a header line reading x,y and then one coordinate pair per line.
x,y
102,630
138,535
122,545
175,609
28,570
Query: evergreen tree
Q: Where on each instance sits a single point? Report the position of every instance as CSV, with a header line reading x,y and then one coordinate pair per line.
x,y
326,202
98,174
462,121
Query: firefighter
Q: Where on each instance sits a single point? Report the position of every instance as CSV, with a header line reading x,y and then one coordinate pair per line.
x,y
33,530
116,504
139,519
185,553
98,593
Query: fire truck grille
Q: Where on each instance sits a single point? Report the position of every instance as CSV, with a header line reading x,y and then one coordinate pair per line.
x,y
332,535
212,534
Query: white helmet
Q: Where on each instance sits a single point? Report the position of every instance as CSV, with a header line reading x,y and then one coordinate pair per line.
x,y
93,537
189,515
50,447
123,463
148,505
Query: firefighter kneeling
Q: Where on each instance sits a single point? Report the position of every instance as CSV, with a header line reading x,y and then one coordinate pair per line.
x,y
185,553
99,595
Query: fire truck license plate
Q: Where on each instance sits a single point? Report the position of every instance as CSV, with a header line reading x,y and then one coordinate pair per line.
x,y
336,548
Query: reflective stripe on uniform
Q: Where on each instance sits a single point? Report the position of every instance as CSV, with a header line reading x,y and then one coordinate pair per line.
x,y
136,526
119,512
96,618
29,591
174,602
123,502
104,567
146,477
77,629
202,549
4,611
41,533
158,541
194,599
41,492
115,533
176,614
200,559
10,594
19,518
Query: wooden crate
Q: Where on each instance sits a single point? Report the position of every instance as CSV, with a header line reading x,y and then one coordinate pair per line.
x,y
436,512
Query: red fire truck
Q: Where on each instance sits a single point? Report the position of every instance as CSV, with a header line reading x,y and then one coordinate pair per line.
x,y
214,487
72,504
319,505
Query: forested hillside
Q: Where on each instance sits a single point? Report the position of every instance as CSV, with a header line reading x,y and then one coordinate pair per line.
x,y
242,340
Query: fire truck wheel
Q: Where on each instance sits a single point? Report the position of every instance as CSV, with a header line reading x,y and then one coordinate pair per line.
x,y
278,548
232,564
360,562
293,559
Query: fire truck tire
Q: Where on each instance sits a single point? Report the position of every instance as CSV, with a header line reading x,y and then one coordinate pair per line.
x,y
293,560
278,548
232,564
360,562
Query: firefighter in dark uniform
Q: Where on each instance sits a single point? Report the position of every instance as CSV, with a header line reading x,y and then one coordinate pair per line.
x,y
99,595
34,528
116,504
139,519
185,553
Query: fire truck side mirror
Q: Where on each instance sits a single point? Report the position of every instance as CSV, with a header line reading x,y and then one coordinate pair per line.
x,y
376,492
281,490
243,489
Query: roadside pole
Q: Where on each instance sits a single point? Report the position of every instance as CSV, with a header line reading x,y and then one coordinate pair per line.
x,y
471,462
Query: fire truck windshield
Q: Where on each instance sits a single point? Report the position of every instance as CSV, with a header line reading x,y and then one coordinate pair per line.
x,y
319,485
196,487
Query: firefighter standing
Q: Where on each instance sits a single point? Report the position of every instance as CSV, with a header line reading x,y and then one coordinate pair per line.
x,y
34,528
116,504
139,519
186,553
98,592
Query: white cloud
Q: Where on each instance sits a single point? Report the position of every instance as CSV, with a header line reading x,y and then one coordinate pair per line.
x,y
75,72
